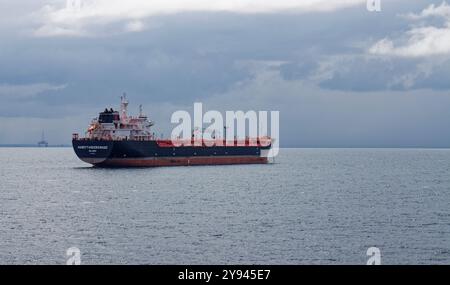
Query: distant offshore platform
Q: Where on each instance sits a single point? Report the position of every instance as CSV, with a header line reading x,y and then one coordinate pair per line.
x,y
42,142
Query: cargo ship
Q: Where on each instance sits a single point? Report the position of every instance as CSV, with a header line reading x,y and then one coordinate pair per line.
x,y
115,139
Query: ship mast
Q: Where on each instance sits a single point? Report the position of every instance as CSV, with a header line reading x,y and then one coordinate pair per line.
x,y
123,107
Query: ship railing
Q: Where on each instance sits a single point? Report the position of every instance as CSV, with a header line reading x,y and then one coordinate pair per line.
x,y
257,141
77,138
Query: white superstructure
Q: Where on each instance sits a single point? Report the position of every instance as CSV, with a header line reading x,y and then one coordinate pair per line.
x,y
115,125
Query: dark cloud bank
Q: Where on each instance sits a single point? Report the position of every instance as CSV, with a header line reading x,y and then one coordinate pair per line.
x,y
313,67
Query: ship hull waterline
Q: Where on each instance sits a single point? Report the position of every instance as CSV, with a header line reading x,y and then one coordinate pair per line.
x,y
149,154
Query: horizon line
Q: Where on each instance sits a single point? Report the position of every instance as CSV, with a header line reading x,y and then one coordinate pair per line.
x,y
285,147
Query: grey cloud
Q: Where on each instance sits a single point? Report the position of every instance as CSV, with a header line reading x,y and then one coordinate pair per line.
x,y
311,67
298,70
377,73
314,117
12,92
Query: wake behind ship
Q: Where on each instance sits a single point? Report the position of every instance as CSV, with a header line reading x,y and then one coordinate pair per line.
x,y
115,139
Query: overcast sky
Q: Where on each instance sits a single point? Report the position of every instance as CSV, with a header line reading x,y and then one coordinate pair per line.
x,y
339,75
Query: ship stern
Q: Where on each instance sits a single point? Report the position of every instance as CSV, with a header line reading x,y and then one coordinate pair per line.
x,y
92,151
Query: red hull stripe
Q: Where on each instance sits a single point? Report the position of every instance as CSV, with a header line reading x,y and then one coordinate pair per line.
x,y
183,161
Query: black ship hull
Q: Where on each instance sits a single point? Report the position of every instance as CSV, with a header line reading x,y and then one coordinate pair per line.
x,y
127,153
